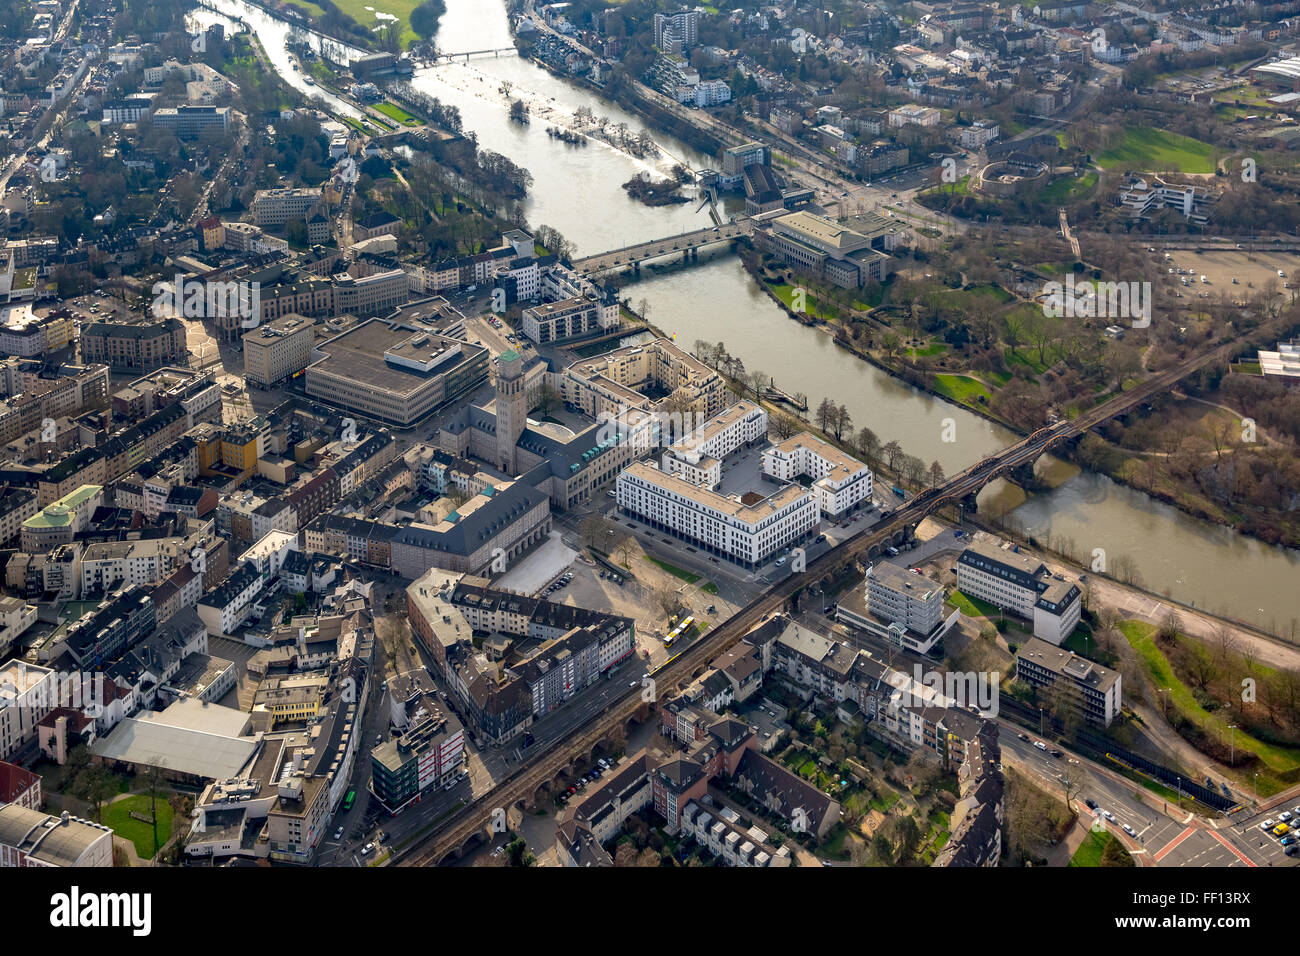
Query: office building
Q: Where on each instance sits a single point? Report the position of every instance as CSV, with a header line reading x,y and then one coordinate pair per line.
x,y
747,530
394,372
1095,692
1023,585
278,350
190,122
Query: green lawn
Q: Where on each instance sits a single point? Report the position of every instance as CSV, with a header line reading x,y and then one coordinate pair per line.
x,y
396,112
1141,636
117,815
961,388
357,10
675,571
1157,150
1091,849
1068,188
972,606
309,7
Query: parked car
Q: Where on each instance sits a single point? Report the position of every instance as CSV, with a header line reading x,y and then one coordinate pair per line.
x,y
1129,830
1268,824
1040,745
1091,803
367,849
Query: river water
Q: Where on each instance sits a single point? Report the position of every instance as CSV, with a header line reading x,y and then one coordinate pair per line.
x,y
578,191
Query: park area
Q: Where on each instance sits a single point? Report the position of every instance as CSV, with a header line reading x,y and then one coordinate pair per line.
x,y
1142,149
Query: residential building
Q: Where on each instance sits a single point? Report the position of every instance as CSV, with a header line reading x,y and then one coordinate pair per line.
x,y
132,346
840,482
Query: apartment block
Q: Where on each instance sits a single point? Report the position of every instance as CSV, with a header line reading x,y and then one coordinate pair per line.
x,y
839,481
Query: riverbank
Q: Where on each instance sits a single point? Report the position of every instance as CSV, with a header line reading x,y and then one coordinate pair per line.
x,y
915,380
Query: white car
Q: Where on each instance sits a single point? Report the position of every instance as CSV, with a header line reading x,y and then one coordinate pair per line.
x,y
1108,815
1285,816
1129,830
1268,824
367,849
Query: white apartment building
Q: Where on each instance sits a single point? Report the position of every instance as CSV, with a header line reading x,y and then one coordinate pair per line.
x,y
723,525
698,456
839,480
711,93
916,115
16,616
110,564
223,608
27,694
978,135
570,318
275,207
1023,585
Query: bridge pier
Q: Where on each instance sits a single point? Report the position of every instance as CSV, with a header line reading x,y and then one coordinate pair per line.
x,y
968,504
1023,476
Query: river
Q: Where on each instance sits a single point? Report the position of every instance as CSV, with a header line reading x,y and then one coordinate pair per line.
x,y
577,190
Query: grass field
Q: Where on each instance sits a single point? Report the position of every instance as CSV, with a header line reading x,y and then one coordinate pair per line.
x,y
148,838
1067,188
675,571
309,7
973,606
961,389
1091,849
393,111
357,10
1157,150
1279,760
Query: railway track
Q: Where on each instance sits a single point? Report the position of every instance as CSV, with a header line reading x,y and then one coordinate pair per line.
x,y
460,827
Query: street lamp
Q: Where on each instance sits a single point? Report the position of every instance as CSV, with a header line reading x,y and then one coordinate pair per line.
x,y
1232,744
